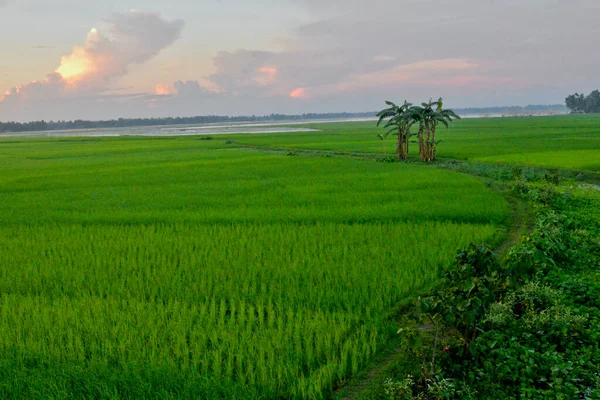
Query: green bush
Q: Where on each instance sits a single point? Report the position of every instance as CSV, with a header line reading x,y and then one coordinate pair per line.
x,y
532,323
469,288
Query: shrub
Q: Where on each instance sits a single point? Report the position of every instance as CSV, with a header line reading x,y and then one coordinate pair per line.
x,y
469,288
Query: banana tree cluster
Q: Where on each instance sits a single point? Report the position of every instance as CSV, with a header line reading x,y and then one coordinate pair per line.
x,y
400,120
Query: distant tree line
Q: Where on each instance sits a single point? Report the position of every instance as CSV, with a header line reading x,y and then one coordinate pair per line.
x,y
135,122
35,126
580,103
530,109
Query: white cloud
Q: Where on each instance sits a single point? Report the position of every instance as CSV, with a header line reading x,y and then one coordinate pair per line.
x,y
352,56
468,50
131,38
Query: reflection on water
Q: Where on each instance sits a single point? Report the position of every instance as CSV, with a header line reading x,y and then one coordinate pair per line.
x,y
189,130
158,131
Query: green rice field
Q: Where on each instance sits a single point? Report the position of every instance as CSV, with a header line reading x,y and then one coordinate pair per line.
x,y
568,141
191,269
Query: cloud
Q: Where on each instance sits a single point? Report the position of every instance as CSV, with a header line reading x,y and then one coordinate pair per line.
x,y
172,65
164,89
465,49
189,89
299,93
133,38
266,75
351,56
130,38
3,3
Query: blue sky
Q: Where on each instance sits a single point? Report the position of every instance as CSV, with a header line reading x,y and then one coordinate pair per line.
x,y
181,57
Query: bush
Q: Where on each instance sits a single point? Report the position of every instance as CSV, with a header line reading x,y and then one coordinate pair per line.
x,y
388,159
469,288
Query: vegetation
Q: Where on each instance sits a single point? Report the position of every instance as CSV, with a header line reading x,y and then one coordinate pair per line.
x,y
514,110
34,126
428,116
117,254
133,122
399,123
569,141
580,103
521,326
533,332
185,268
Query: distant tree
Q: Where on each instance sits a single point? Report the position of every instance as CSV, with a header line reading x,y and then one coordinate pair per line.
x,y
576,102
579,103
592,102
399,122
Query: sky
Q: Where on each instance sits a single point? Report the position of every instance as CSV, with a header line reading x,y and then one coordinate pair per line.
x,y
91,59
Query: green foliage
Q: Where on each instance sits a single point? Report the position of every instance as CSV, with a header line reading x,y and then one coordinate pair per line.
x,y
399,390
568,142
388,159
145,268
469,288
535,346
402,118
399,121
579,103
540,339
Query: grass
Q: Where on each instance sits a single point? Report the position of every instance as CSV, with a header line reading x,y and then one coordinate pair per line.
x,y
509,360
570,159
570,142
180,268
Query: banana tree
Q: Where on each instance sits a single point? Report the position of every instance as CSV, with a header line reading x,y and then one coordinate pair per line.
x,y
429,115
398,122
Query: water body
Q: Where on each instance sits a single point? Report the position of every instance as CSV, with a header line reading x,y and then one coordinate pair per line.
x,y
189,130
175,130
207,129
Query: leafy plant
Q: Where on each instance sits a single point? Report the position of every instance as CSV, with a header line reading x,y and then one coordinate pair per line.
x,y
399,122
398,390
469,288
429,115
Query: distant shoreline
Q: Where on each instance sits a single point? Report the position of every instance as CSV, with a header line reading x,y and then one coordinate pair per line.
x,y
233,128
60,125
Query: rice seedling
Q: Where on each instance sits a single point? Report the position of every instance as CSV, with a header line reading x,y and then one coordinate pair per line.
x,y
569,141
146,268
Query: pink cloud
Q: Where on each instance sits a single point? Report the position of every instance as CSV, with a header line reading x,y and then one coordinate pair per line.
x,y
164,89
266,75
475,81
299,93
405,73
90,69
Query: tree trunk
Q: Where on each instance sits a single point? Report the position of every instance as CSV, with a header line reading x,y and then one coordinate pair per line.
x,y
432,144
406,141
402,155
421,141
399,146
424,141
